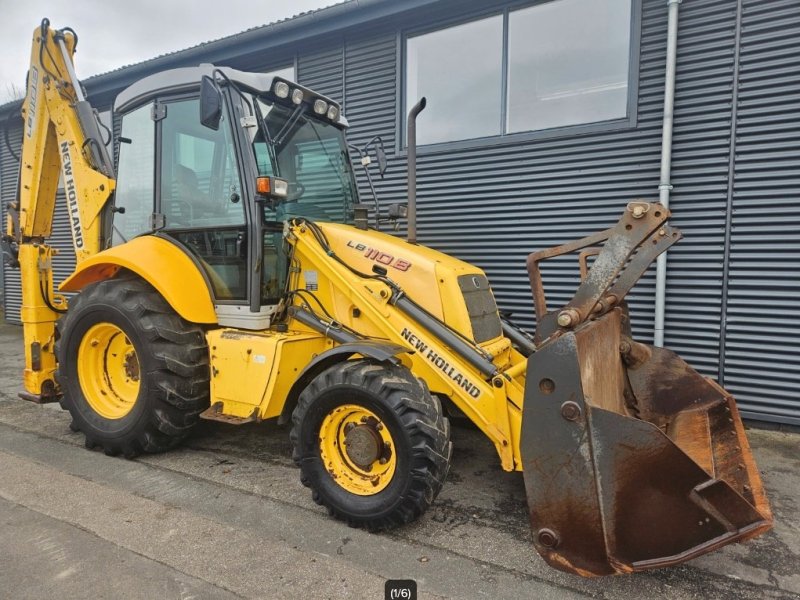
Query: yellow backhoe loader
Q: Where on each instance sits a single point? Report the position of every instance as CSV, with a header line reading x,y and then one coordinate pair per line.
x,y
226,270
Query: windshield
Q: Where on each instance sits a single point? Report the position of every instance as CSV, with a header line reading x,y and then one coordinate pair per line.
x,y
311,155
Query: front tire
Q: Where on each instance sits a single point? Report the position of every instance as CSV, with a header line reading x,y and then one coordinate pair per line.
x,y
134,375
372,444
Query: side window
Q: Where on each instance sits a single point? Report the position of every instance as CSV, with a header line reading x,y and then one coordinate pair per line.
x,y
319,164
135,176
200,184
201,197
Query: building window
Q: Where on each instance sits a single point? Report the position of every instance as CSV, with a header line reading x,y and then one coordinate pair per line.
x,y
553,64
459,71
568,63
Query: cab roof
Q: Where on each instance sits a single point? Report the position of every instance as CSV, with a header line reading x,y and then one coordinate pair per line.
x,y
185,79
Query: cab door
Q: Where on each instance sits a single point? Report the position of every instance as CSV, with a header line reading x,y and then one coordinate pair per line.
x,y
199,197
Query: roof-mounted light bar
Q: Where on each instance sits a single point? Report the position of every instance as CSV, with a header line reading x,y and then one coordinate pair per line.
x,y
290,92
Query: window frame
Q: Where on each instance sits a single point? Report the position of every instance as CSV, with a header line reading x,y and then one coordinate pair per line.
x,y
503,139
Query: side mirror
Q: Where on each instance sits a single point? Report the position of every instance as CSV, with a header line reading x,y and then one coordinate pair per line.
x,y
210,103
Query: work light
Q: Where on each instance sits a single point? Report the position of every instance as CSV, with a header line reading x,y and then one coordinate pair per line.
x,y
281,89
320,107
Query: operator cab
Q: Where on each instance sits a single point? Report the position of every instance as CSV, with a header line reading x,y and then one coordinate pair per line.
x,y
199,147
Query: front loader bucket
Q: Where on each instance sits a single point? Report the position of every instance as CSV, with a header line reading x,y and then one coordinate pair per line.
x,y
632,460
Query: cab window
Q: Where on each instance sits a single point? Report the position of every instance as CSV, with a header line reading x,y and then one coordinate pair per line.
x,y
200,196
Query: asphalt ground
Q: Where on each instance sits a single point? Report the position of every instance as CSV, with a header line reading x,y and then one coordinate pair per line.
x,y
225,516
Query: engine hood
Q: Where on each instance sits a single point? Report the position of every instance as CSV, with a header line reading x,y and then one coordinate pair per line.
x,y
427,276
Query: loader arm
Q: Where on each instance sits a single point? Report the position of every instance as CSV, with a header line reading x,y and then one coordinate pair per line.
x,y
61,138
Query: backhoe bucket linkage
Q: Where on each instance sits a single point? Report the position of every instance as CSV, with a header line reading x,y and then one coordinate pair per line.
x,y
632,460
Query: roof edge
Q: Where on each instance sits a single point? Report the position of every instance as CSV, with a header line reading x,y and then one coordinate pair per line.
x,y
324,21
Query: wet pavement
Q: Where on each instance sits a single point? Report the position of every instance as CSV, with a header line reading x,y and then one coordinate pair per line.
x,y
226,516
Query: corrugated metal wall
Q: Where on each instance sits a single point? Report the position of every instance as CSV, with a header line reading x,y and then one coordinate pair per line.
x,y
493,204
321,70
701,140
762,345
9,168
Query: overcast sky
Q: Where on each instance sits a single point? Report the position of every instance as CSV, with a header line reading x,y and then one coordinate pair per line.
x,y
114,33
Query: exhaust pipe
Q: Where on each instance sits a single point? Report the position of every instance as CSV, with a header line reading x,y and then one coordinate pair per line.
x,y
411,140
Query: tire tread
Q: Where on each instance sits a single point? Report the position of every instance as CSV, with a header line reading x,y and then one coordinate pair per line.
x,y
179,383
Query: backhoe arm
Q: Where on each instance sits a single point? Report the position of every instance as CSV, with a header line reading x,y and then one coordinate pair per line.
x,y
61,137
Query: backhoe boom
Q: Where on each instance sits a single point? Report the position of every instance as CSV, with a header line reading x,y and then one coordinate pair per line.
x,y
61,140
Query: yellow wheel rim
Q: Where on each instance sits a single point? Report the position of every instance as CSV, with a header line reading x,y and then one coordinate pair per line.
x,y
357,449
108,371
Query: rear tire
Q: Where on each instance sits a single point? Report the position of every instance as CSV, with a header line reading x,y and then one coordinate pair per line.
x,y
373,402
146,401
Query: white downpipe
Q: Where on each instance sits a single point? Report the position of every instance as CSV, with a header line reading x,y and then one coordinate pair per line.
x,y
665,186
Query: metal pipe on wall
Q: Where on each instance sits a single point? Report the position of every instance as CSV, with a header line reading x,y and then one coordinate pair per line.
x,y
665,186
411,142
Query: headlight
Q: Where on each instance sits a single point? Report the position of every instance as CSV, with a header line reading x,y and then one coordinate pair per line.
x,y
281,89
272,186
297,96
280,187
333,113
320,107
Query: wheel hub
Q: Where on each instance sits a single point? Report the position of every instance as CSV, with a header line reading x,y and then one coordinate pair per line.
x,y
357,449
363,445
108,370
131,366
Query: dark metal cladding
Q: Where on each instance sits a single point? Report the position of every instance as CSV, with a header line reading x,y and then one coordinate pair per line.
x,y
632,460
